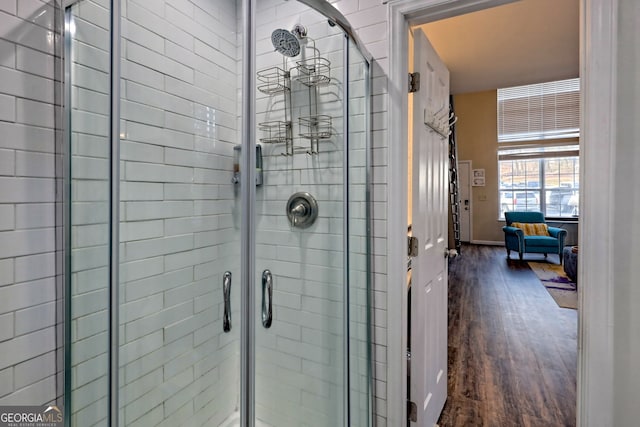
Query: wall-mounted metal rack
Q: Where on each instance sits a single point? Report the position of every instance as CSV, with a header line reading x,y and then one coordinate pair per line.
x,y
312,71
274,80
277,132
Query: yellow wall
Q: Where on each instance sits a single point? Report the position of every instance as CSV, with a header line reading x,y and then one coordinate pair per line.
x,y
477,138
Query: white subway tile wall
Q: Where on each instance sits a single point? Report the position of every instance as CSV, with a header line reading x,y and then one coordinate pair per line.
x,y
27,192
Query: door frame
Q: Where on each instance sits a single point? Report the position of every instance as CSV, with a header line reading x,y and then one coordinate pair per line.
x,y
598,58
468,162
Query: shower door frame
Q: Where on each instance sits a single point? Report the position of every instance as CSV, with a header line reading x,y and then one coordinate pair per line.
x,y
248,223
248,202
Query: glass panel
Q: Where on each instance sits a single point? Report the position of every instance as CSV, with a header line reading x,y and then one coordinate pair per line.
x,y
87,67
561,180
180,229
359,286
559,185
516,176
300,358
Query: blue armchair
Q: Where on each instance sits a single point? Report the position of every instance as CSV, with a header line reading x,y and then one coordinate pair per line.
x,y
516,240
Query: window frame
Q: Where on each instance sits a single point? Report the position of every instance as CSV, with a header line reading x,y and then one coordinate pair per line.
x,y
546,130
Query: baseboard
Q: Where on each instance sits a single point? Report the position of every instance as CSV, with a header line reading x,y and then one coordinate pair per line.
x,y
487,242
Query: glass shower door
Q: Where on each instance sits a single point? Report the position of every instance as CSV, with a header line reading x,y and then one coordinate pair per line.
x,y
300,281
360,317
178,271
179,219
87,189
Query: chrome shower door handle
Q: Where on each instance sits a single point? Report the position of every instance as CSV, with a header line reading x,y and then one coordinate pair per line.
x,y
226,291
267,296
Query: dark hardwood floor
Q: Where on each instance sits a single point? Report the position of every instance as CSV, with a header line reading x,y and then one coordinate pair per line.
x,y
512,350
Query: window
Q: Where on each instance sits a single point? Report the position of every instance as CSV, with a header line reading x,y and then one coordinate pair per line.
x,y
538,156
548,184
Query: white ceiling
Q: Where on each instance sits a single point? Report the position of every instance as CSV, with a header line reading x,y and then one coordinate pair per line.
x,y
529,41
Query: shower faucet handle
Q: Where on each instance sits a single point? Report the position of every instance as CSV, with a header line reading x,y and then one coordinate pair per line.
x,y
226,291
299,210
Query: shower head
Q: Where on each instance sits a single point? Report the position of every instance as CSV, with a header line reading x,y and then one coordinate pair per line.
x,y
285,42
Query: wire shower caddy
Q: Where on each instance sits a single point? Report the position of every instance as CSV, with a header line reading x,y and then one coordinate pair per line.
x,y
312,71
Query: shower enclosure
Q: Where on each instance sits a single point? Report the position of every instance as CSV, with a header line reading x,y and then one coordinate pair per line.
x,y
217,215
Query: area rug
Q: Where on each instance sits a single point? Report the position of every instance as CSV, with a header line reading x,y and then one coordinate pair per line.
x,y
559,286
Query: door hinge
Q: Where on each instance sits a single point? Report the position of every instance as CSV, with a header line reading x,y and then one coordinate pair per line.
x,y
414,82
412,411
413,246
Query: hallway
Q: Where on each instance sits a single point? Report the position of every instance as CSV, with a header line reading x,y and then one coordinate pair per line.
x,y
512,350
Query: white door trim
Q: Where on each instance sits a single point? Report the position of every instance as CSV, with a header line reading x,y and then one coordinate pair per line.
x,y
598,57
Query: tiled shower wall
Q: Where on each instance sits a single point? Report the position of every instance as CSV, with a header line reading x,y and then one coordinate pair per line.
x,y
27,202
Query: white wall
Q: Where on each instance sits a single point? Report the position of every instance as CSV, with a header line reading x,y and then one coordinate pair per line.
x,y
626,238
27,195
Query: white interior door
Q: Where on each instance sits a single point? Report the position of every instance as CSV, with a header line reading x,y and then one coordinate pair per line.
x,y
464,180
428,384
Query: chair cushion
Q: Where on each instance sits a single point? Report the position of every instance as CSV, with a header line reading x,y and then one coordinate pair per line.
x,y
532,229
545,241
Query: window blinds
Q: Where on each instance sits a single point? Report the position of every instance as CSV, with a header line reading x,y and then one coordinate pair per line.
x,y
539,111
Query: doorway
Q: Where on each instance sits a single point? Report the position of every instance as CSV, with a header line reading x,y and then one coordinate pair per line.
x,y
598,30
466,205
481,120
